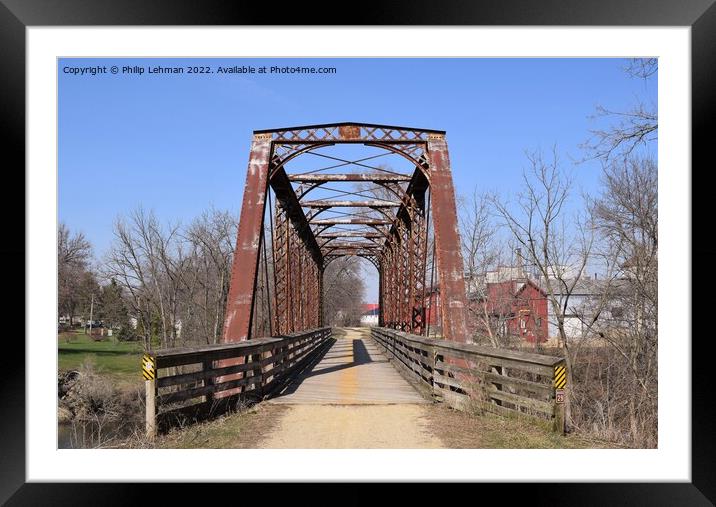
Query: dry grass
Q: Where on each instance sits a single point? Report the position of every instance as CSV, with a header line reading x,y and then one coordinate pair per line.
x,y
240,430
462,430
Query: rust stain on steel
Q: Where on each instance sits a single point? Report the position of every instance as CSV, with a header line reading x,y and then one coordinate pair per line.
x,y
239,306
447,242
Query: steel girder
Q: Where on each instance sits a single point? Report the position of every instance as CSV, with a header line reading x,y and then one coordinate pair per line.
x,y
302,245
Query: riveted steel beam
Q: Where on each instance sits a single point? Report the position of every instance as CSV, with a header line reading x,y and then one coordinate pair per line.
x,y
287,199
351,244
346,234
324,203
351,221
332,178
240,302
453,301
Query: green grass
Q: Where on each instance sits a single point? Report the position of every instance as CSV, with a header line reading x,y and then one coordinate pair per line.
x,y
120,360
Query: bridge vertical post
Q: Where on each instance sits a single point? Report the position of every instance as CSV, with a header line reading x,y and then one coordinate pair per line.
x,y
150,387
240,304
453,300
381,289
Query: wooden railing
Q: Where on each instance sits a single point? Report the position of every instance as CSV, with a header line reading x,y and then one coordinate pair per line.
x,y
196,381
501,381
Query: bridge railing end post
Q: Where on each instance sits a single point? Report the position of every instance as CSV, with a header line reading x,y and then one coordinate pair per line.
x,y
559,396
151,408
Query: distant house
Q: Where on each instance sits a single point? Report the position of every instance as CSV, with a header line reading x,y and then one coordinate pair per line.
x,y
516,307
510,300
583,305
369,315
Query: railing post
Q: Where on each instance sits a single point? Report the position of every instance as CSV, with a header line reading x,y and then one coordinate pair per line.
x,y
432,362
559,384
208,381
151,408
258,371
149,372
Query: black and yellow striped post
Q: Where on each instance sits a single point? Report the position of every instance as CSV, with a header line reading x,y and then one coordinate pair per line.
x,y
149,372
560,394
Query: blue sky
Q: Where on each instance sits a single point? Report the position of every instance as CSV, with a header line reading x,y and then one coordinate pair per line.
x,y
178,144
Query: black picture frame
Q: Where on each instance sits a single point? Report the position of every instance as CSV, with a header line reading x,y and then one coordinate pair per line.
x,y
17,15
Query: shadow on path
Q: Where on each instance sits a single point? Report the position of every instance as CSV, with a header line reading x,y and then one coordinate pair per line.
x,y
360,356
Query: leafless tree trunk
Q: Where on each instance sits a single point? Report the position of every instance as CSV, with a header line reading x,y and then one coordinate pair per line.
x,y
74,254
481,253
211,242
559,249
626,216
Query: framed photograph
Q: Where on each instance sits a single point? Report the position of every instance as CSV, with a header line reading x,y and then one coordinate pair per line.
x,y
381,231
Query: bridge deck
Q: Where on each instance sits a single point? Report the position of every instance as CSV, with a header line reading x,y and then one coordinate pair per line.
x,y
352,372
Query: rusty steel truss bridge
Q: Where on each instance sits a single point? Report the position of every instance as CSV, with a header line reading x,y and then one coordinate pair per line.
x,y
374,211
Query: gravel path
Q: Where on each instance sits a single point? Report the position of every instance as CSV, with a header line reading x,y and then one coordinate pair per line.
x,y
352,399
352,427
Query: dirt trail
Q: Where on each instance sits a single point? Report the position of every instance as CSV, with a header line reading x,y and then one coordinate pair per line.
x,y
353,398
352,427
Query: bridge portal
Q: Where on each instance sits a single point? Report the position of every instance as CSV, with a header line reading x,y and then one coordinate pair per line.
x,y
316,193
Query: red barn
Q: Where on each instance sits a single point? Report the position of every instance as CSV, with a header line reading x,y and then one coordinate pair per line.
x,y
517,307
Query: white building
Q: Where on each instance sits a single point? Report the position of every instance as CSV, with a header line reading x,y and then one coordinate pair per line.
x,y
370,315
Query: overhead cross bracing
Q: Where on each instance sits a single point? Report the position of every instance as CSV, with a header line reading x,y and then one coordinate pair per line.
x,y
316,193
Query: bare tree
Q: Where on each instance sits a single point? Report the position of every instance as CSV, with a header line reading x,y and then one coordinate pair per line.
x,y
635,127
642,68
344,290
626,218
626,215
481,253
74,253
559,249
210,239
147,260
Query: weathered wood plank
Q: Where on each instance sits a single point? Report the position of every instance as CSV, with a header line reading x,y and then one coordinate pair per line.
x,y
187,394
444,380
530,403
479,350
285,354
185,378
538,369
415,356
188,355
543,390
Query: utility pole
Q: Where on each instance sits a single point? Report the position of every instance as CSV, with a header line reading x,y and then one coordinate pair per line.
x,y
91,308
